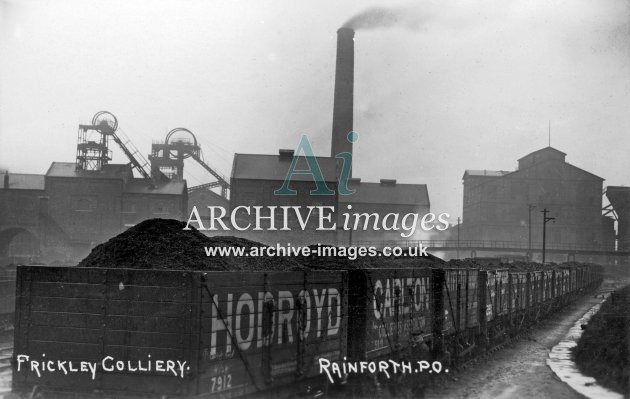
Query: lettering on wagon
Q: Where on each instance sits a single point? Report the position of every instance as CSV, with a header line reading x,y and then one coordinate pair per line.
x,y
400,296
261,319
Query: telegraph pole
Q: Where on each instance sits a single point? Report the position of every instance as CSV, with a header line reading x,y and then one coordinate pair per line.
x,y
545,220
530,207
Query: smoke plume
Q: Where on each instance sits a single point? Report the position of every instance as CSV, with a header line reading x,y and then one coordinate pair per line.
x,y
381,17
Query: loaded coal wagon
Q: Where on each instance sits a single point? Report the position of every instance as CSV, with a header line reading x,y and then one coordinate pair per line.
x,y
495,324
229,334
234,332
388,308
458,324
149,312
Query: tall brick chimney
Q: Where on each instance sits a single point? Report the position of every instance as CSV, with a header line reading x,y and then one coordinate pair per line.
x,y
344,88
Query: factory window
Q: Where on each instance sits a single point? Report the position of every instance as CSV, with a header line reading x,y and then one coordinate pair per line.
x,y
26,203
129,206
160,207
83,204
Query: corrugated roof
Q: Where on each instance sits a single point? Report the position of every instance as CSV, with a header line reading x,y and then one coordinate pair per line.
x,y
140,186
271,167
23,181
110,171
394,194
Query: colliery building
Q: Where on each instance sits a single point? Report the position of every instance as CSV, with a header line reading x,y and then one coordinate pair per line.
x,y
60,216
201,198
382,198
504,205
256,177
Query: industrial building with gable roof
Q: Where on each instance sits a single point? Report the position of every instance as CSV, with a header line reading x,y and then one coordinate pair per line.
x,y
67,211
498,204
256,177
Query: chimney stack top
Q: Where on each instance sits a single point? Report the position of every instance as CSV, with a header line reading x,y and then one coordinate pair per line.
x,y
388,182
286,154
344,30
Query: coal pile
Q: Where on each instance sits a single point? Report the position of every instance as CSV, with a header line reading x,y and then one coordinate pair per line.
x,y
468,264
365,262
163,244
518,266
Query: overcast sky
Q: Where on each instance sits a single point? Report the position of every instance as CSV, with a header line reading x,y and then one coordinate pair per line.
x,y
457,85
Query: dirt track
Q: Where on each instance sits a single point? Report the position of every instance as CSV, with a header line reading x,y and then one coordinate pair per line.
x,y
518,370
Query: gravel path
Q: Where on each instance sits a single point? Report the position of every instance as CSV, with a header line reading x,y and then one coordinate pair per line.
x,y
518,370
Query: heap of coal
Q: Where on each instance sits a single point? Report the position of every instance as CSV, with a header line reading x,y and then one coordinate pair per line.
x,y
365,262
518,266
164,244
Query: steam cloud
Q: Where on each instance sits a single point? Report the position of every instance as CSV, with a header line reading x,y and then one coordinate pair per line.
x,y
381,17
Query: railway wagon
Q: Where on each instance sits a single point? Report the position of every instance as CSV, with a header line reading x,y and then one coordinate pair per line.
x,y
235,333
240,333
496,282
594,275
580,277
561,286
388,308
536,295
459,306
460,300
536,292
508,302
